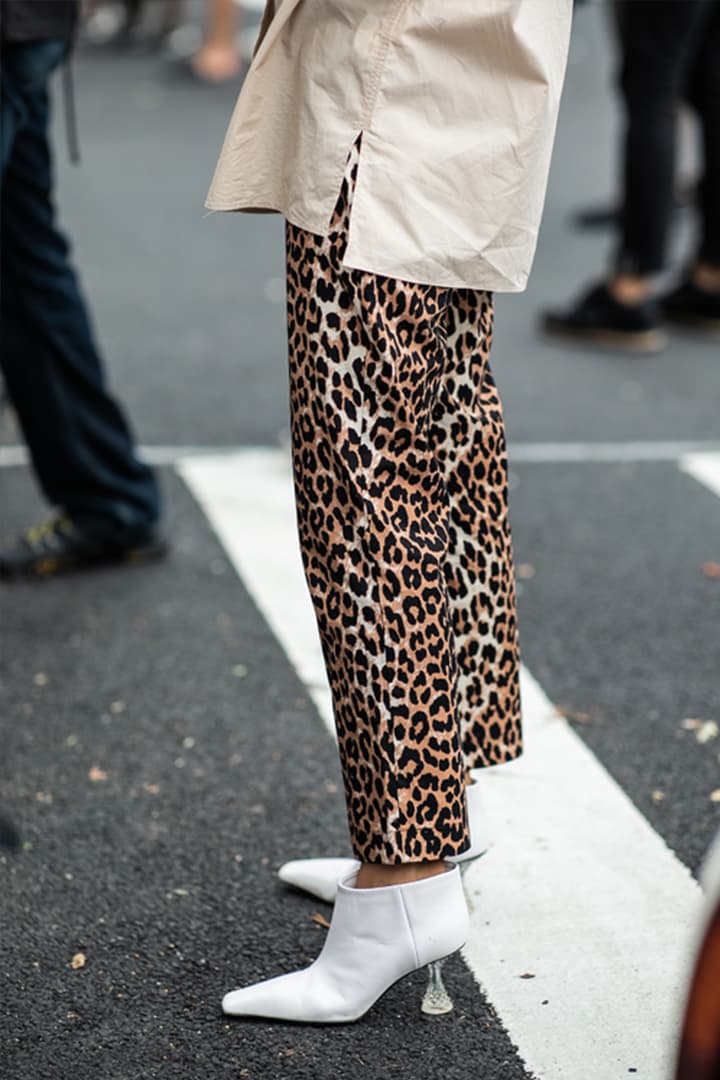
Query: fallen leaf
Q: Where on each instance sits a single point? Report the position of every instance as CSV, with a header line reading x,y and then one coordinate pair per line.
x,y
575,716
78,961
527,975
711,569
240,671
152,789
97,775
320,920
40,679
715,795
658,796
117,707
181,892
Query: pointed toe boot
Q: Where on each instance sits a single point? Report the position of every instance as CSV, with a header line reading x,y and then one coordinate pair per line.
x,y
376,937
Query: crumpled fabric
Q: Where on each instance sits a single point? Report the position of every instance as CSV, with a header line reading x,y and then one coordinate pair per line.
x,y
457,101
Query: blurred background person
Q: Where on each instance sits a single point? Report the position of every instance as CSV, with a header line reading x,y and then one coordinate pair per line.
x,y
213,55
81,448
218,59
122,22
670,52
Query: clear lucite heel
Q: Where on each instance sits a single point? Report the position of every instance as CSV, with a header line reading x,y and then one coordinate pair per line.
x,y
436,1001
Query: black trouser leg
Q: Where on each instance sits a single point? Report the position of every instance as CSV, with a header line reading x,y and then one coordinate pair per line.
x,y
704,95
658,40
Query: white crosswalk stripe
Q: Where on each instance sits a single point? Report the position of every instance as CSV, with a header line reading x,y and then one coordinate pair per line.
x,y
704,467
542,453
582,918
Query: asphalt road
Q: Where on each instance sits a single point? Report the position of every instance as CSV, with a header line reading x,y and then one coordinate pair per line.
x,y
160,755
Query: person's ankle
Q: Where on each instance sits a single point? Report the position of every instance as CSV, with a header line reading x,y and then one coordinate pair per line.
x,y
216,62
706,276
379,875
629,289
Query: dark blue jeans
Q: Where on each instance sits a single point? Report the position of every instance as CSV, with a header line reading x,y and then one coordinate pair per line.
x,y
79,440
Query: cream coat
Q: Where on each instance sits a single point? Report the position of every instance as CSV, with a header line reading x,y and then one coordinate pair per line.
x,y
457,101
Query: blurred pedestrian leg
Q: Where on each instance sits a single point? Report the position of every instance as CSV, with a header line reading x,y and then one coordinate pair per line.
x,y
79,441
218,59
704,95
696,301
670,53
660,41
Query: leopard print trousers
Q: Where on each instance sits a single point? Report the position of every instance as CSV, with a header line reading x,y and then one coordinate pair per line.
x,y
401,492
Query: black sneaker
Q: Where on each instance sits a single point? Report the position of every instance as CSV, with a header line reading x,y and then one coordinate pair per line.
x,y
57,546
692,306
600,319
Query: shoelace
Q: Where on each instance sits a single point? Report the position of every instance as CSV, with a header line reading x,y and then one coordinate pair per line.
x,y
44,537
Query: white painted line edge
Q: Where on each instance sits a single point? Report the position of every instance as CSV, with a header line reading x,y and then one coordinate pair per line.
x,y
607,913
520,453
705,468
615,452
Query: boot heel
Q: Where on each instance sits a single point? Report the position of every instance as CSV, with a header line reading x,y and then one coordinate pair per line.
x,y
436,1001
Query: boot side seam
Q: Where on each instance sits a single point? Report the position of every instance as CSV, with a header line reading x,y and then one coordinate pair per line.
x,y
409,926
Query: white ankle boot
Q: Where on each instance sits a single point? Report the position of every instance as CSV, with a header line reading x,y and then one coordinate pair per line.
x,y
375,938
319,877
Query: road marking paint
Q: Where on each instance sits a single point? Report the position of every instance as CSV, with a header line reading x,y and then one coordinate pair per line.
x,y
520,453
589,453
13,456
578,894
581,893
248,499
705,468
